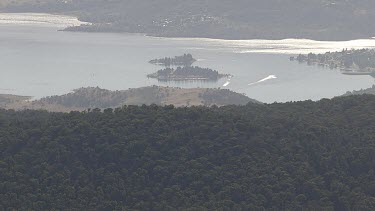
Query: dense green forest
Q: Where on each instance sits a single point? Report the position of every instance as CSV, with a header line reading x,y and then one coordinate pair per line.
x,y
237,19
293,156
362,60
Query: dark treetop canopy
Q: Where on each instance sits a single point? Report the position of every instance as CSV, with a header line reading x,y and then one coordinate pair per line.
x,y
293,156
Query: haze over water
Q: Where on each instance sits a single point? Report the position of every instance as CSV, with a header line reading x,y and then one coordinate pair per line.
x,y
38,60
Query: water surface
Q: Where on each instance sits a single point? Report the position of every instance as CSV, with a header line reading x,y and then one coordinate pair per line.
x,y
38,60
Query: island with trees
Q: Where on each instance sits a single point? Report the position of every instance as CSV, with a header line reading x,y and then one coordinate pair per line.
x,y
187,73
350,62
184,60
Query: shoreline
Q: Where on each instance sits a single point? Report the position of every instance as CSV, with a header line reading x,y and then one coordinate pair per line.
x,y
78,23
40,19
77,29
98,28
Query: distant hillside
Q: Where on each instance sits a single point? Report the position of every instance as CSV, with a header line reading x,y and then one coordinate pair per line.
x,y
237,19
94,97
370,91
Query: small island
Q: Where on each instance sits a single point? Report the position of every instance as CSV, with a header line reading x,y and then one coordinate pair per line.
x,y
350,62
187,73
184,60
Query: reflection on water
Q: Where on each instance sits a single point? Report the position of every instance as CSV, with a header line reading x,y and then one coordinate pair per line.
x,y
286,46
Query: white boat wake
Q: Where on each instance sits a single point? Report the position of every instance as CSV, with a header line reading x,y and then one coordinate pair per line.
x,y
227,83
264,79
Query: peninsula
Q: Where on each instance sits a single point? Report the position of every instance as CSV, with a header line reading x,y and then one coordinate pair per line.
x,y
350,62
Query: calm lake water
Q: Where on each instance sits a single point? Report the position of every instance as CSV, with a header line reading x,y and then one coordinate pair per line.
x,y
38,60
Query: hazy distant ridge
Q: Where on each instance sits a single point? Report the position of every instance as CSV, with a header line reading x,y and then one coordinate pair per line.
x,y
239,19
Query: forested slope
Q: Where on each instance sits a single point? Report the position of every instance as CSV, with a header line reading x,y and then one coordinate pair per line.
x,y
237,19
294,156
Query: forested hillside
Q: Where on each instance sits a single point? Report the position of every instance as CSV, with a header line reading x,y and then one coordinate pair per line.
x,y
237,19
294,156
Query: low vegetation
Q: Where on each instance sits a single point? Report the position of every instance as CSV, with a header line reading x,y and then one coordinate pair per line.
x,y
94,97
6,99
